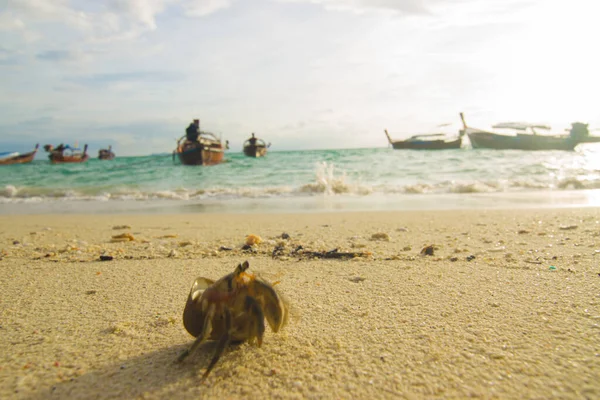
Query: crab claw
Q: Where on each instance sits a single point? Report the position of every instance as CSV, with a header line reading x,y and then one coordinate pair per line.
x,y
256,323
274,307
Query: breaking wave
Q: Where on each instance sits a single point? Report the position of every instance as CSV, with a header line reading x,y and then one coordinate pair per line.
x,y
323,187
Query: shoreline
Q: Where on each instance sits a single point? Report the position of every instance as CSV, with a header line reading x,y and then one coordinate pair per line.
x,y
485,316
317,203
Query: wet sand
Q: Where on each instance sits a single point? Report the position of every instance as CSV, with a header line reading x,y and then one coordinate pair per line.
x,y
508,306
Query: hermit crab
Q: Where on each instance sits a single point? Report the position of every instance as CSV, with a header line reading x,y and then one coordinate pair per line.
x,y
231,310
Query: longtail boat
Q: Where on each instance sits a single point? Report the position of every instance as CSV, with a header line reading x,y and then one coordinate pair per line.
x,y
207,149
9,158
431,141
526,137
66,154
106,154
255,147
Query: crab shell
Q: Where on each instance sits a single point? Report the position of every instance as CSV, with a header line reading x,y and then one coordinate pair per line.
x,y
248,299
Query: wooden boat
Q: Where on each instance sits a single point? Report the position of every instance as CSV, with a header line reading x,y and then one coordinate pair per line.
x,y
526,138
66,154
106,154
255,147
430,141
206,150
18,158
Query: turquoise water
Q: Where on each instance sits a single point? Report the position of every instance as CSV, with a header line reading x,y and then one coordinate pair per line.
x,y
380,178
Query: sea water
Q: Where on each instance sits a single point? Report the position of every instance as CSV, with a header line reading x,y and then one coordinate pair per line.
x,y
307,181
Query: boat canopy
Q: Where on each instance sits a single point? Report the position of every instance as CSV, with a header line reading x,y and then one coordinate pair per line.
x,y
72,150
519,126
8,154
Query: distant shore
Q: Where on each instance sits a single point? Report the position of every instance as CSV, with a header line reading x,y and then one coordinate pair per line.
x,y
506,307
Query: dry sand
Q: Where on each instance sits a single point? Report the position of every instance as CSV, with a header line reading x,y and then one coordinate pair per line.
x,y
520,320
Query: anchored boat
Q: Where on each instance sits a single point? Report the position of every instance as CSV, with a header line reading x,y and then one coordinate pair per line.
x,y
66,154
526,137
429,141
106,154
255,147
13,157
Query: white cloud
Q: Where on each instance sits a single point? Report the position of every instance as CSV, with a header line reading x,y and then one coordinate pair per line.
x,y
142,11
416,7
360,6
35,11
9,22
201,8
98,22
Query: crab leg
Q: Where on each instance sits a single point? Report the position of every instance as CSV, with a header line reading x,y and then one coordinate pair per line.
x,y
221,346
206,330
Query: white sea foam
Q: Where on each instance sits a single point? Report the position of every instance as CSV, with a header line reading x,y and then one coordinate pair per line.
x,y
332,185
9,191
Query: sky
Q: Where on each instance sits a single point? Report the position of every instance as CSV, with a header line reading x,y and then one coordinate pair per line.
x,y
302,74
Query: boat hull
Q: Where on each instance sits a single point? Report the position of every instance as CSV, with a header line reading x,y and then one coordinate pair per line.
x,y
66,155
255,151
201,154
426,144
489,140
20,159
60,159
590,139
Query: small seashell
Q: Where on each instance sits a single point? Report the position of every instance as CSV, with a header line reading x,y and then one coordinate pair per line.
x,y
427,250
116,227
380,236
496,249
357,279
568,227
252,240
249,248
124,237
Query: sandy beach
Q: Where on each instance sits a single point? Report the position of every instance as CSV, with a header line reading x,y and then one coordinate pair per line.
x,y
508,305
